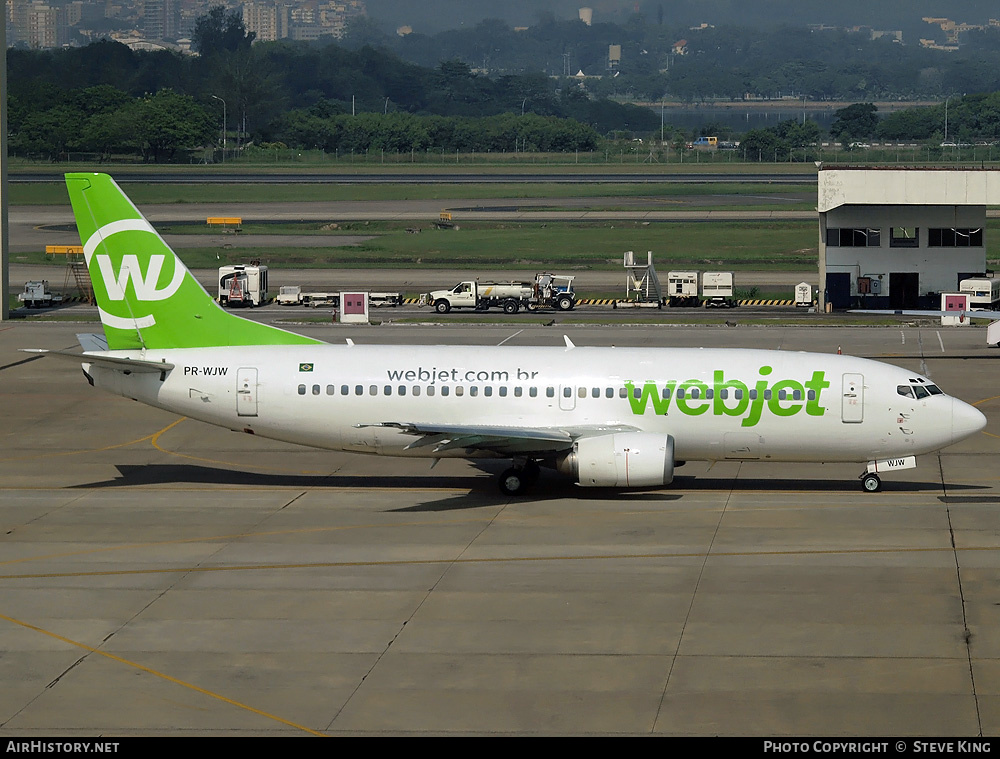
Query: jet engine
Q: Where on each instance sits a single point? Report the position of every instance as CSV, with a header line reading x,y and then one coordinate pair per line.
x,y
621,460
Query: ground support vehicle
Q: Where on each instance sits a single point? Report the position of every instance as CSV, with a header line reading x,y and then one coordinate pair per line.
x,y
553,291
510,296
983,292
717,289
37,295
242,285
682,289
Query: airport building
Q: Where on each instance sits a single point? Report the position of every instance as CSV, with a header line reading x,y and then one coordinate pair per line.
x,y
898,238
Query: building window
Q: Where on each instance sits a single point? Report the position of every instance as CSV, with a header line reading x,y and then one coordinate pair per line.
x,y
849,237
955,238
904,237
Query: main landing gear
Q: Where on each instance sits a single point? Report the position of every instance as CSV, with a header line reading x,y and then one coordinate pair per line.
x,y
520,477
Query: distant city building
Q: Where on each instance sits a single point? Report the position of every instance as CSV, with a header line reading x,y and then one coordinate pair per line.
x,y
614,57
305,20
37,24
268,20
161,19
953,31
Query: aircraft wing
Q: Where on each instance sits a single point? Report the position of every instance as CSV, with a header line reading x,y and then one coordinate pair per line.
x,y
110,362
501,440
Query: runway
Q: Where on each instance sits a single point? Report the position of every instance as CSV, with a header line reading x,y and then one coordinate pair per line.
x,y
162,577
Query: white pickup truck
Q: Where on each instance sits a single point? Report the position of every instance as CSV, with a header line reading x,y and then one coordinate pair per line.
x,y
509,296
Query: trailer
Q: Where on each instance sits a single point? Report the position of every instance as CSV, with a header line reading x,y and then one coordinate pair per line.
x,y
717,289
289,295
37,295
242,285
292,295
682,289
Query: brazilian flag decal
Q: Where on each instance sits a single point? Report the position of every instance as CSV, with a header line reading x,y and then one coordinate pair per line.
x,y
305,367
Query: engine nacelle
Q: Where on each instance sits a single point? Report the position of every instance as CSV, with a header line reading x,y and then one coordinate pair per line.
x,y
621,460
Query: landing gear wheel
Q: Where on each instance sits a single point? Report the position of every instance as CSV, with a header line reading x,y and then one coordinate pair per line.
x,y
513,482
871,483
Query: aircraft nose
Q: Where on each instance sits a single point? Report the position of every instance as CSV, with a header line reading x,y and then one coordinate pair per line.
x,y
965,420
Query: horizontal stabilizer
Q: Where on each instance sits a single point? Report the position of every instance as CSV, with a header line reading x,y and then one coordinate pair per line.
x,y
90,342
109,362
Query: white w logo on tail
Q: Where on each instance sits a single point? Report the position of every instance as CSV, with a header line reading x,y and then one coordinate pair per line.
x,y
145,287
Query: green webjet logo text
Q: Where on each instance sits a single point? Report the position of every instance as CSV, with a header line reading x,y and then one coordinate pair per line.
x,y
691,397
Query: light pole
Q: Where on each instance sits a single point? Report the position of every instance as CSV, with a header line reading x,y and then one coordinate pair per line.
x,y
216,97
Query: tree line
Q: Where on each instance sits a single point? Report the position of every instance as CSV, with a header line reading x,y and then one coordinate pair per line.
x,y
106,98
727,60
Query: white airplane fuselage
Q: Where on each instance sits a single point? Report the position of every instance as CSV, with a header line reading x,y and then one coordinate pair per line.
x,y
716,404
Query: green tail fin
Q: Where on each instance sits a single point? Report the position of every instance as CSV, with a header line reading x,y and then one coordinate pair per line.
x,y
146,297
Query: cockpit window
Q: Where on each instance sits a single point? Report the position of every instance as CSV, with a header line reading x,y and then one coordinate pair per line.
x,y
904,390
934,390
920,391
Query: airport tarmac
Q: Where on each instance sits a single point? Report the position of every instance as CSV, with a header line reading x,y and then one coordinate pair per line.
x,y
162,577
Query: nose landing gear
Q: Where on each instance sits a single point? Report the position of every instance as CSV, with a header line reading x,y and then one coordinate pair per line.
x,y
870,482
